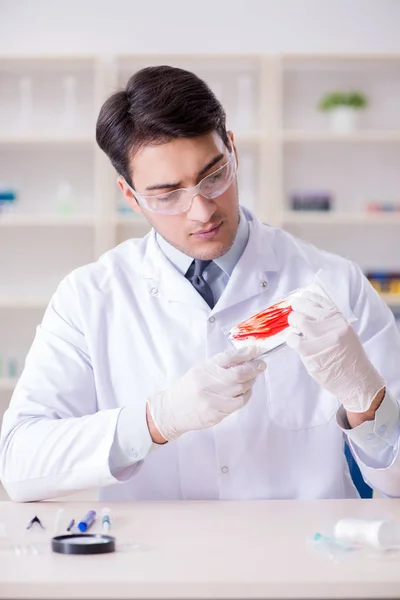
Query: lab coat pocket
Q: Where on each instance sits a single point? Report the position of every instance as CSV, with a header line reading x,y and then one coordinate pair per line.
x,y
295,400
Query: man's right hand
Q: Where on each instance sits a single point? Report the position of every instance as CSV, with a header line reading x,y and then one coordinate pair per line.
x,y
206,394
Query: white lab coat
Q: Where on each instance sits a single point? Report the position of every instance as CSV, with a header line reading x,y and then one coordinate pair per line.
x,y
127,326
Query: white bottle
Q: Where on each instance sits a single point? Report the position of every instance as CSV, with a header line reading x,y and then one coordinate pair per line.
x,y
70,103
246,179
64,198
376,533
24,123
245,103
217,89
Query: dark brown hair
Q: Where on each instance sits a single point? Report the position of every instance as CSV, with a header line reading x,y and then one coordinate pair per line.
x,y
157,105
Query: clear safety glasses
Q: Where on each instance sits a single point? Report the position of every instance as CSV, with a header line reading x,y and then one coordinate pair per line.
x,y
179,201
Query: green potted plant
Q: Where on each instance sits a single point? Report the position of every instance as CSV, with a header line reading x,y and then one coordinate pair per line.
x,y
343,108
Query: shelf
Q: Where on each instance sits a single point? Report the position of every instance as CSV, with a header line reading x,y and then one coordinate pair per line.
x,y
336,218
295,136
249,136
128,217
206,56
365,57
57,60
392,300
140,225
7,384
23,220
63,140
23,303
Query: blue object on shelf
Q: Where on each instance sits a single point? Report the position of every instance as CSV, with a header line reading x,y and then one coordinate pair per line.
x,y
12,368
7,199
7,196
319,201
125,209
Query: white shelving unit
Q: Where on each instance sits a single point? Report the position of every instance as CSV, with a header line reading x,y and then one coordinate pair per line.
x,y
48,109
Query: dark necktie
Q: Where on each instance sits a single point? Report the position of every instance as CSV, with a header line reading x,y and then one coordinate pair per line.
x,y
195,276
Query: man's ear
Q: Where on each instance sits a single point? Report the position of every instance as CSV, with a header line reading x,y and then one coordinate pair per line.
x,y
128,194
233,145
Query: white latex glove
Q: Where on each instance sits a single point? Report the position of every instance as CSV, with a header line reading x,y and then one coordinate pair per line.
x,y
207,393
332,352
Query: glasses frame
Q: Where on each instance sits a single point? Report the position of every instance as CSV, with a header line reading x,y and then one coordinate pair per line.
x,y
194,191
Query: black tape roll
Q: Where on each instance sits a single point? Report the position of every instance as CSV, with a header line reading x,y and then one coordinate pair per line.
x,y
83,543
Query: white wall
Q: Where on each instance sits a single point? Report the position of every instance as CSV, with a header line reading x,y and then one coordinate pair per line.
x,y
112,26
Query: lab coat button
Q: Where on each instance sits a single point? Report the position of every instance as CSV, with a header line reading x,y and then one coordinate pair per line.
x,y
212,319
382,429
224,469
264,284
154,291
370,436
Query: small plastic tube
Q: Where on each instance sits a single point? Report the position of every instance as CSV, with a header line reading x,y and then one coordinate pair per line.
x,y
105,519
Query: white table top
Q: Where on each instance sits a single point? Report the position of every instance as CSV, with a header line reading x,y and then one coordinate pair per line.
x,y
256,549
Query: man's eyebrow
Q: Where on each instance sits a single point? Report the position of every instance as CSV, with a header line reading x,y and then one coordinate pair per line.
x,y
167,186
212,162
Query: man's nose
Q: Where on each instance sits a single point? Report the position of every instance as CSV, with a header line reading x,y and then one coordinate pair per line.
x,y
201,209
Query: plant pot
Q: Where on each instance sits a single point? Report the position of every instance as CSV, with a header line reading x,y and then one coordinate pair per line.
x,y
343,119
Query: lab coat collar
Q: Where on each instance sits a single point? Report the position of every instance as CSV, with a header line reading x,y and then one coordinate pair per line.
x,y
249,276
163,278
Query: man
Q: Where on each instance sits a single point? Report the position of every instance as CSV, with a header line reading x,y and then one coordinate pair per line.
x,y
132,384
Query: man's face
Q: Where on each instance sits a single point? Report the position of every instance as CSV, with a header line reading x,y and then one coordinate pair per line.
x,y
208,228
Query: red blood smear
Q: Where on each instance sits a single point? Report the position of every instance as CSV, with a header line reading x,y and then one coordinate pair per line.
x,y
264,324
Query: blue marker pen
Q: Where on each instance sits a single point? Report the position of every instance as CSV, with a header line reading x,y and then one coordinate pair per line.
x,y
87,521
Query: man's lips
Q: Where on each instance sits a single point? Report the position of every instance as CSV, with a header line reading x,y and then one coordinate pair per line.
x,y
203,231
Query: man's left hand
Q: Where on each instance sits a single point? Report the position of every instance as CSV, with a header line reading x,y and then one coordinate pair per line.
x,y
332,353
